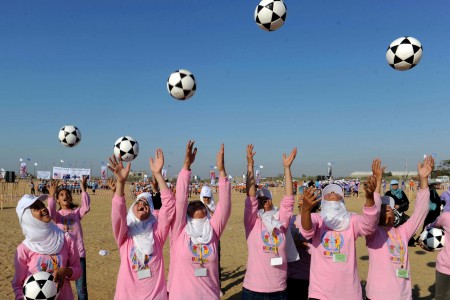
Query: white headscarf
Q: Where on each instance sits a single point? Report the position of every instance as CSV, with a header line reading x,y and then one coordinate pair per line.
x,y
199,230
335,215
40,237
207,192
142,231
270,219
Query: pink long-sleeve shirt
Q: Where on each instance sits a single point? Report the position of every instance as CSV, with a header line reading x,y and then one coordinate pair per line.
x,y
262,247
443,258
27,262
129,286
69,220
338,280
388,249
185,256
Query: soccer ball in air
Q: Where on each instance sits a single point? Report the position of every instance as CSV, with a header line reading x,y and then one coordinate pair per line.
x,y
404,53
432,239
126,148
69,135
40,286
270,14
181,84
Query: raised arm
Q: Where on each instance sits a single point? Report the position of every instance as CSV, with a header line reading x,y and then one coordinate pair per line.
x,y
51,203
182,193
85,199
423,195
367,223
119,210
287,162
309,202
251,203
167,210
250,181
287,204
220,218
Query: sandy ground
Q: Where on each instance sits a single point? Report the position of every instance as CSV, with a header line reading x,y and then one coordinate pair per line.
x,y
102,270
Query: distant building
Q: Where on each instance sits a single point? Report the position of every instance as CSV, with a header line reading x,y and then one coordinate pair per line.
x,y
358,174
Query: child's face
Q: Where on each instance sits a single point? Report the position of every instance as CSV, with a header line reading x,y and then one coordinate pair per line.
x,y
40,212
265,203
141,210
64,198
196,210
206,200
386,216
332,197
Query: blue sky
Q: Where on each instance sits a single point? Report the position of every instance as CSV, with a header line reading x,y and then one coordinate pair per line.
x,y
320,83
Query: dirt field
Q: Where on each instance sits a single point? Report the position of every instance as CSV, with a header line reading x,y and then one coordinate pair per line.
x,y
102,270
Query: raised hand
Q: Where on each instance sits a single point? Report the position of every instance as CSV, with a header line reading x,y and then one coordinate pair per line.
x,y
424,169
250,154
221,159
377,169
191,152
83,183
111,184
287,161
370,185
310,199
53,187
157,163
116,166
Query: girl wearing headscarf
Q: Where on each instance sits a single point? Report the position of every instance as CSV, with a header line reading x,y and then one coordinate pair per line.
x,y
266,233
140,236
400,198
68,218
333,232
194,270
443,258
389,270
45,248
207,197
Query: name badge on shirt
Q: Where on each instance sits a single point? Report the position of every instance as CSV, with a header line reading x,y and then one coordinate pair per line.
x,y
201,272
276,261
339,257
141,274
402,273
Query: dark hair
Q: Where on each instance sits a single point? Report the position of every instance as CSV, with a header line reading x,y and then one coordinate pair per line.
x,y
72,205
38,204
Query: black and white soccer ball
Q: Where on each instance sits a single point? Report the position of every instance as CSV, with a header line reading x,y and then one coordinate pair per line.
x,y
40,286
126,148
69,135
270,15
181,84
404,53
432,239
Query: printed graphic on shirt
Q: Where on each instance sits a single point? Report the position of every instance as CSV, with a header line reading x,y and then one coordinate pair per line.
x,y
200,253
136,264
49,263
396,250
68,222
332,241
271,241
